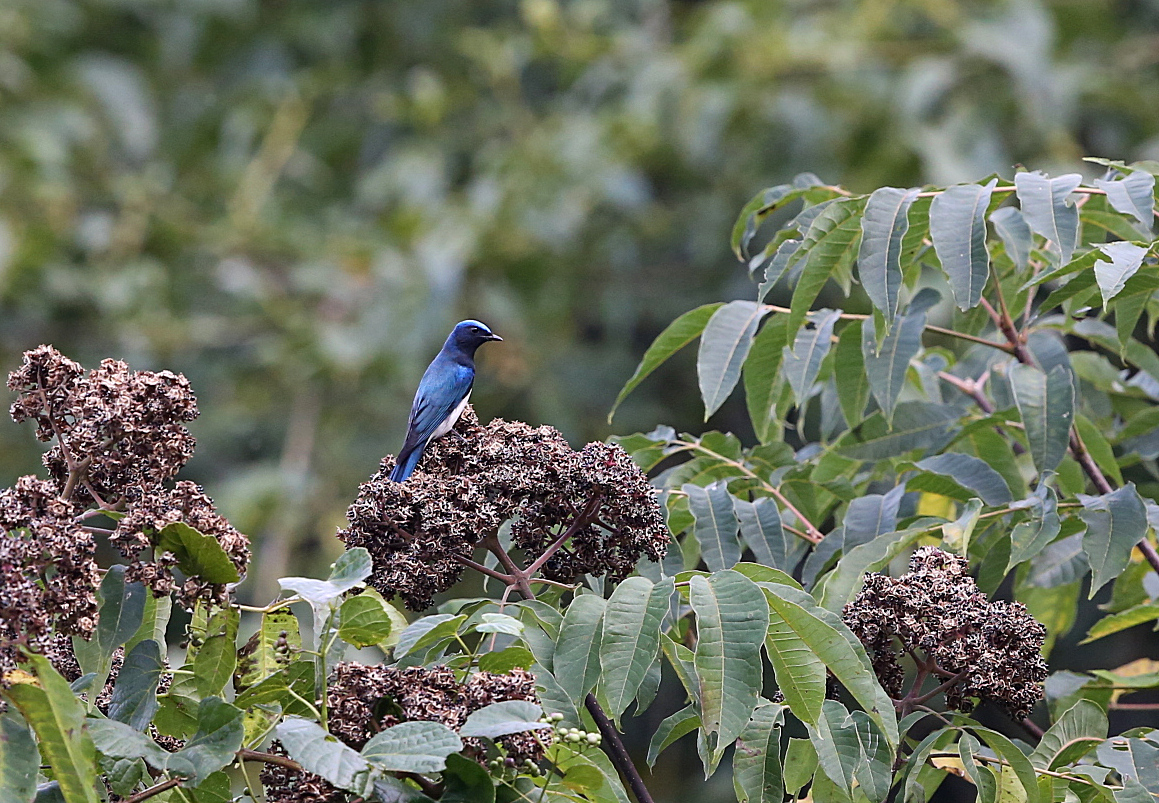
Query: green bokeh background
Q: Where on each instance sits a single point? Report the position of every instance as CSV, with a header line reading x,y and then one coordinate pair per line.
x,y
292,202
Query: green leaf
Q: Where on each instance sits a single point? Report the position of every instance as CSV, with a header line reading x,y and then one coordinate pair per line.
x,y
672,728
716,525
427,631
122,610
803,361
1137,615
777,266
19,760
870,516
1100,449
828,244
761,530
827,637
972,473
1011,226
732,620
219,735
1047,211
1126,259
799,672
499,623
1029,538
837,744
1115,523
503,661
843,583
724,345
576,663
116,740
800,764
413,747
134,699
756,765
216,660
198,555
958,231
762,378
874,771
1046,404
631,638
879,260
1133,194
1080,729
322,754
849,374
922,426
1132,758
1010,753
504,718
261,657
363,621
1063,561
57,717
675,336
464,781
154,622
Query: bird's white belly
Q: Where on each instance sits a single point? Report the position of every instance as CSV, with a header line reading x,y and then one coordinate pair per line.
x,y
445,427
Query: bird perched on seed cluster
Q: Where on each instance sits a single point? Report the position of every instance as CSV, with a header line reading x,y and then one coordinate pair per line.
x,y
442,394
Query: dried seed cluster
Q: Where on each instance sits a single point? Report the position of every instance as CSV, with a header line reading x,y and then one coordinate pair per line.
x,y
126,426
48,575
938,610
364,700
120,435
465,488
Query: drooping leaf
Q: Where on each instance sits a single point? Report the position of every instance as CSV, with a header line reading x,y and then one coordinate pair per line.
x,y
675,336
803,361
1133,194
1115,523
219,735
886,365
828,244
800,764
725,343
1046,404
413,747
1009,752
1029,538
1047,211
842,584
1078,731
777,266
874,771
918,425
849,374
870,516
216,659
322,754
1061,562
631,638
427,631
672,728
756,765
716,525
122,610
732,620
134,699
198,554
762,377
1125,260
958,231
761,530
972,473
838,748
577,651
1011,226
883,227
799,672
57,717
19,760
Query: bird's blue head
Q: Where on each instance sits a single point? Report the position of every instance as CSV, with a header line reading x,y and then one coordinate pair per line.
x,y
469,335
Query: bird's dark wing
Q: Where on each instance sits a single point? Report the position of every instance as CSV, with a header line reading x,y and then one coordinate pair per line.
x,y
443,386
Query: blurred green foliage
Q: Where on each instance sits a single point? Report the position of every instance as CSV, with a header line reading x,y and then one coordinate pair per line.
x,y
292,202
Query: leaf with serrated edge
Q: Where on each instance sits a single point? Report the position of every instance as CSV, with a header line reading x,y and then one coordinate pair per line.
x,y
675,336
724,345
958,231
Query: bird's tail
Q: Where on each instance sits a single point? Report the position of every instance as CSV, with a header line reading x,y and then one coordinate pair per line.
x,y
407,461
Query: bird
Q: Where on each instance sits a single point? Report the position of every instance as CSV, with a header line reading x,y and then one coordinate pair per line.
x,y
442,393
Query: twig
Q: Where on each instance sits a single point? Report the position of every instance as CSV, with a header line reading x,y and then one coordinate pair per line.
x,y
164,786
270,758
1134,706
581,520
1031,727
479,567
855,316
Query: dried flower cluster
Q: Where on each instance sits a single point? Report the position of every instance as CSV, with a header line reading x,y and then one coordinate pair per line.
x,y
124,427
364,700
48,575
465,488
937,610
120,435
150,511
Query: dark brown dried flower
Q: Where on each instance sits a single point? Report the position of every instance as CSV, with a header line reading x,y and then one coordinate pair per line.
x,y
151,510
123,427
936,610
48,575
466,488
365,699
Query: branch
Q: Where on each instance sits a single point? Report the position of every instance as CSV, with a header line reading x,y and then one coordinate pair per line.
x,y
479,567
582,519
164,786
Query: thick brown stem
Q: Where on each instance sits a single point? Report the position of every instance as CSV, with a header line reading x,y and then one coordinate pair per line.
x,y
164,786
